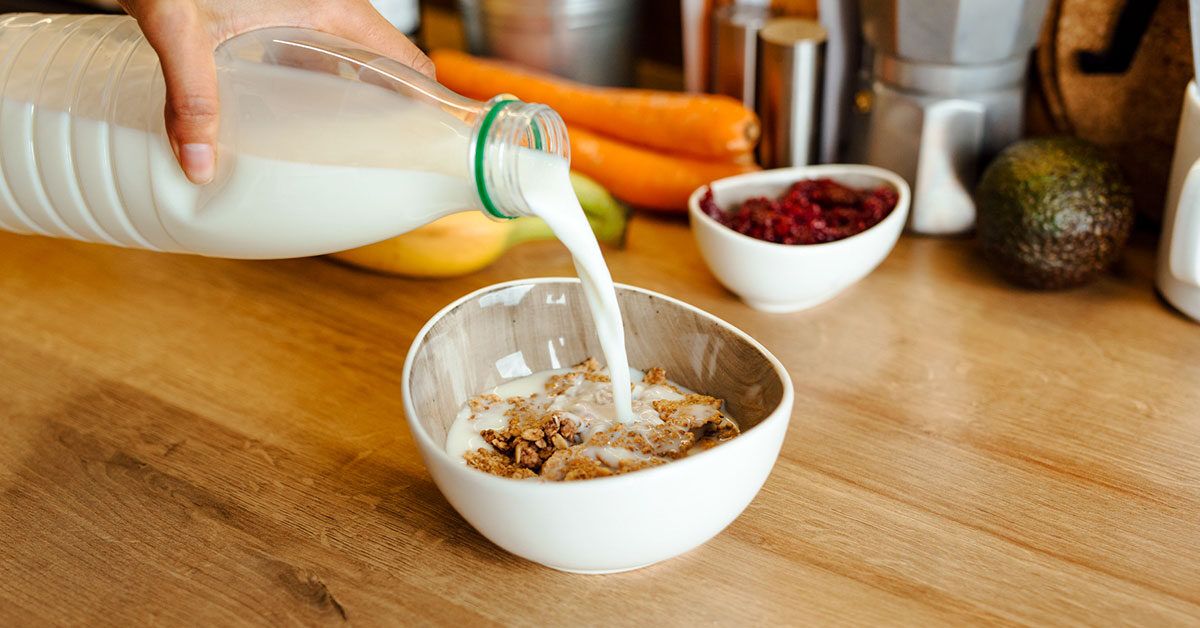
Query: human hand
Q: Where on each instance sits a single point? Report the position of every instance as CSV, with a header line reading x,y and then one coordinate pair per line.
x,y
185,34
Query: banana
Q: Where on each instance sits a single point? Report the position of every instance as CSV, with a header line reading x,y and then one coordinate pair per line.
x,y
607,215
467,242
455,245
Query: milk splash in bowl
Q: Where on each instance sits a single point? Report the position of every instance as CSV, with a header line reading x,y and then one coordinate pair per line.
x,y
561,425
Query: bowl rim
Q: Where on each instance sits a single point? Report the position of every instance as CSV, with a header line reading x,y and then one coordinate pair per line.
x,y
776,415
899,213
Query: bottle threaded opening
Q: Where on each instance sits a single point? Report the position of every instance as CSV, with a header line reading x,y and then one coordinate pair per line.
x,y
508,128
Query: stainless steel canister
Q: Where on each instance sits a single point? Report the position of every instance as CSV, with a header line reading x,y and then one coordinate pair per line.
x,y
592,41
734,50
790,62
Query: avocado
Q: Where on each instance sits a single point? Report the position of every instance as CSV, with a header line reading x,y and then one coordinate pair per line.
x,y
1053,212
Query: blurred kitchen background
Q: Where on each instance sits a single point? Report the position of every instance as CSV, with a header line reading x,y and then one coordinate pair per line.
x,y
1110,71
58,6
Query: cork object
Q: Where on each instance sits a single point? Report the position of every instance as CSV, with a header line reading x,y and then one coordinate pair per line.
x,y
1133,112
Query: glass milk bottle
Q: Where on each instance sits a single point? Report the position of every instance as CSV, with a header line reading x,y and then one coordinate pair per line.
x,y
323,146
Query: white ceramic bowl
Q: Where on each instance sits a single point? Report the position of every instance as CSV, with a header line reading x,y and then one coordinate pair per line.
x,y
790,277
608,524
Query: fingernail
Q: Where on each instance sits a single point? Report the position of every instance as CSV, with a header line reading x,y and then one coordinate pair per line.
x,y
197,162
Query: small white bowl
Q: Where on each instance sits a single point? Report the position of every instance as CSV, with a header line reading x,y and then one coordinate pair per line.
x,y
609,524
791,277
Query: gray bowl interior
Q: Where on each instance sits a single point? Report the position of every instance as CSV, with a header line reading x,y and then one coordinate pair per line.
x,y
519,329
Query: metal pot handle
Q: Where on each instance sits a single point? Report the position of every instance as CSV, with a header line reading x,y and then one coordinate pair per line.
x,y
1185,233
951,138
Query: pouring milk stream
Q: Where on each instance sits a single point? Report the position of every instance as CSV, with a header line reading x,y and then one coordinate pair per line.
x,y
324,147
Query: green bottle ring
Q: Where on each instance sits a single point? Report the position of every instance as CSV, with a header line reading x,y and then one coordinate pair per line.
x,y
486,126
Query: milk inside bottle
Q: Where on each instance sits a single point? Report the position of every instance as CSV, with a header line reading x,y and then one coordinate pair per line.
x,y
323,147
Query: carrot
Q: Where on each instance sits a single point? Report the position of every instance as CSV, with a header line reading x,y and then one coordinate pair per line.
x,y
743,159
643,177
701,125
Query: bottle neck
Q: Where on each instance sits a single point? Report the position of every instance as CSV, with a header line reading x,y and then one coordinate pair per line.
x,y
502,134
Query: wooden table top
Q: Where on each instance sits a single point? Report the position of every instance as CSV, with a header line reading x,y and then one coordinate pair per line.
x,y
205,441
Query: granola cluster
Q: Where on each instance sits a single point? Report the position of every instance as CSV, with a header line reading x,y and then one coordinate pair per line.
x,y
541,440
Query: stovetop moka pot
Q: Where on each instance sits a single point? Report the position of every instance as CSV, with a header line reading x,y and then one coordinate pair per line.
x,y
944,92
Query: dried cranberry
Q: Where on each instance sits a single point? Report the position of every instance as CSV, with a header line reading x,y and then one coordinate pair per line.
x,y
811,211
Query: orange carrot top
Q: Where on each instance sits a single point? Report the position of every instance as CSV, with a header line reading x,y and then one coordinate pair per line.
x,y
643,177
700,125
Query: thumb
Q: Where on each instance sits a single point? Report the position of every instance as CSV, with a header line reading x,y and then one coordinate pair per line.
x,y
185,51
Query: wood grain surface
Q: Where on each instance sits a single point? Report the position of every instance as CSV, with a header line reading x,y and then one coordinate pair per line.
x,y
188,441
